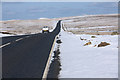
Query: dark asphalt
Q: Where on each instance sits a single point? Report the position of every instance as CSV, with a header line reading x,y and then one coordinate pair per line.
x,y
11,39
27,58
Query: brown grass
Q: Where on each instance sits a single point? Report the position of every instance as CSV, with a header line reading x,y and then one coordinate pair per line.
x,y
103,44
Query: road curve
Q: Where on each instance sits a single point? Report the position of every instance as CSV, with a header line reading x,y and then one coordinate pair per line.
x,y
27,58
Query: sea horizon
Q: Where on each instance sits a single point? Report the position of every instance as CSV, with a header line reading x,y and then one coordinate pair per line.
x,y
36,10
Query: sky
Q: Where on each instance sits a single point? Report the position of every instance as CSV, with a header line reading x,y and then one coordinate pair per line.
x,y
36,10
60,0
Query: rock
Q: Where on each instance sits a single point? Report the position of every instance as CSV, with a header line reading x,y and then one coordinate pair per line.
x,y
57,37
59,41
95,45
82,39
102,44
93,36
87,43
5,32
114,33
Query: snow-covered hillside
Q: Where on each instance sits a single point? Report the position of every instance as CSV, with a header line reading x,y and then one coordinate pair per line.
x,y
90,61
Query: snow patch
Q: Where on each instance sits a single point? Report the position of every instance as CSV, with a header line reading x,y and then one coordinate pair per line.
x,y
43,18
80,61
3,35
98,27
54,23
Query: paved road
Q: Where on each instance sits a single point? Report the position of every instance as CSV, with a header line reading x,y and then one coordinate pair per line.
x,y
27,57
12,38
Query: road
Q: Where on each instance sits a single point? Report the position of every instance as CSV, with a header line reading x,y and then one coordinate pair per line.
x,y
26,56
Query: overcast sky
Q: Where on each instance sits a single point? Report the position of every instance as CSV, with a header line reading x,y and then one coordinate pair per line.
x,y
60,0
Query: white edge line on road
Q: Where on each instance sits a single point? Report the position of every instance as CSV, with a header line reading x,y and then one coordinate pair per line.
x,y
44,77
5,45
19,39
10,43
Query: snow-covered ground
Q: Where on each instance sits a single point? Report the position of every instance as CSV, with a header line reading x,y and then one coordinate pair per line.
x,y
79,61
72,24
27,26
92,27
3,35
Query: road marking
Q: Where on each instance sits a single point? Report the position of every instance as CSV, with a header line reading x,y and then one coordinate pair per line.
x,y
10,43
5,45
19,39
44,77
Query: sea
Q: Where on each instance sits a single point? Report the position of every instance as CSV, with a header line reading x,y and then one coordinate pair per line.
x,y
37,10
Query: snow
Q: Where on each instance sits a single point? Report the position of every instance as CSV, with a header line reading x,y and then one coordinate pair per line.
x,y
3,35
43,18
54,23
99,27
80,61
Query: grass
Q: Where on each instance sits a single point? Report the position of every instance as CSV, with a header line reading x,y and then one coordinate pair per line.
x,y
102,44
114,33
93,36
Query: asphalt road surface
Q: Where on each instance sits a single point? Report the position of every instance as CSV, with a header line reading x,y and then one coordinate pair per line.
x,y
26,56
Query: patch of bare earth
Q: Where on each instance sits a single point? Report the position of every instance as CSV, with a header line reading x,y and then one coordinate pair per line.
x,y
25,26
92,24
103,44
